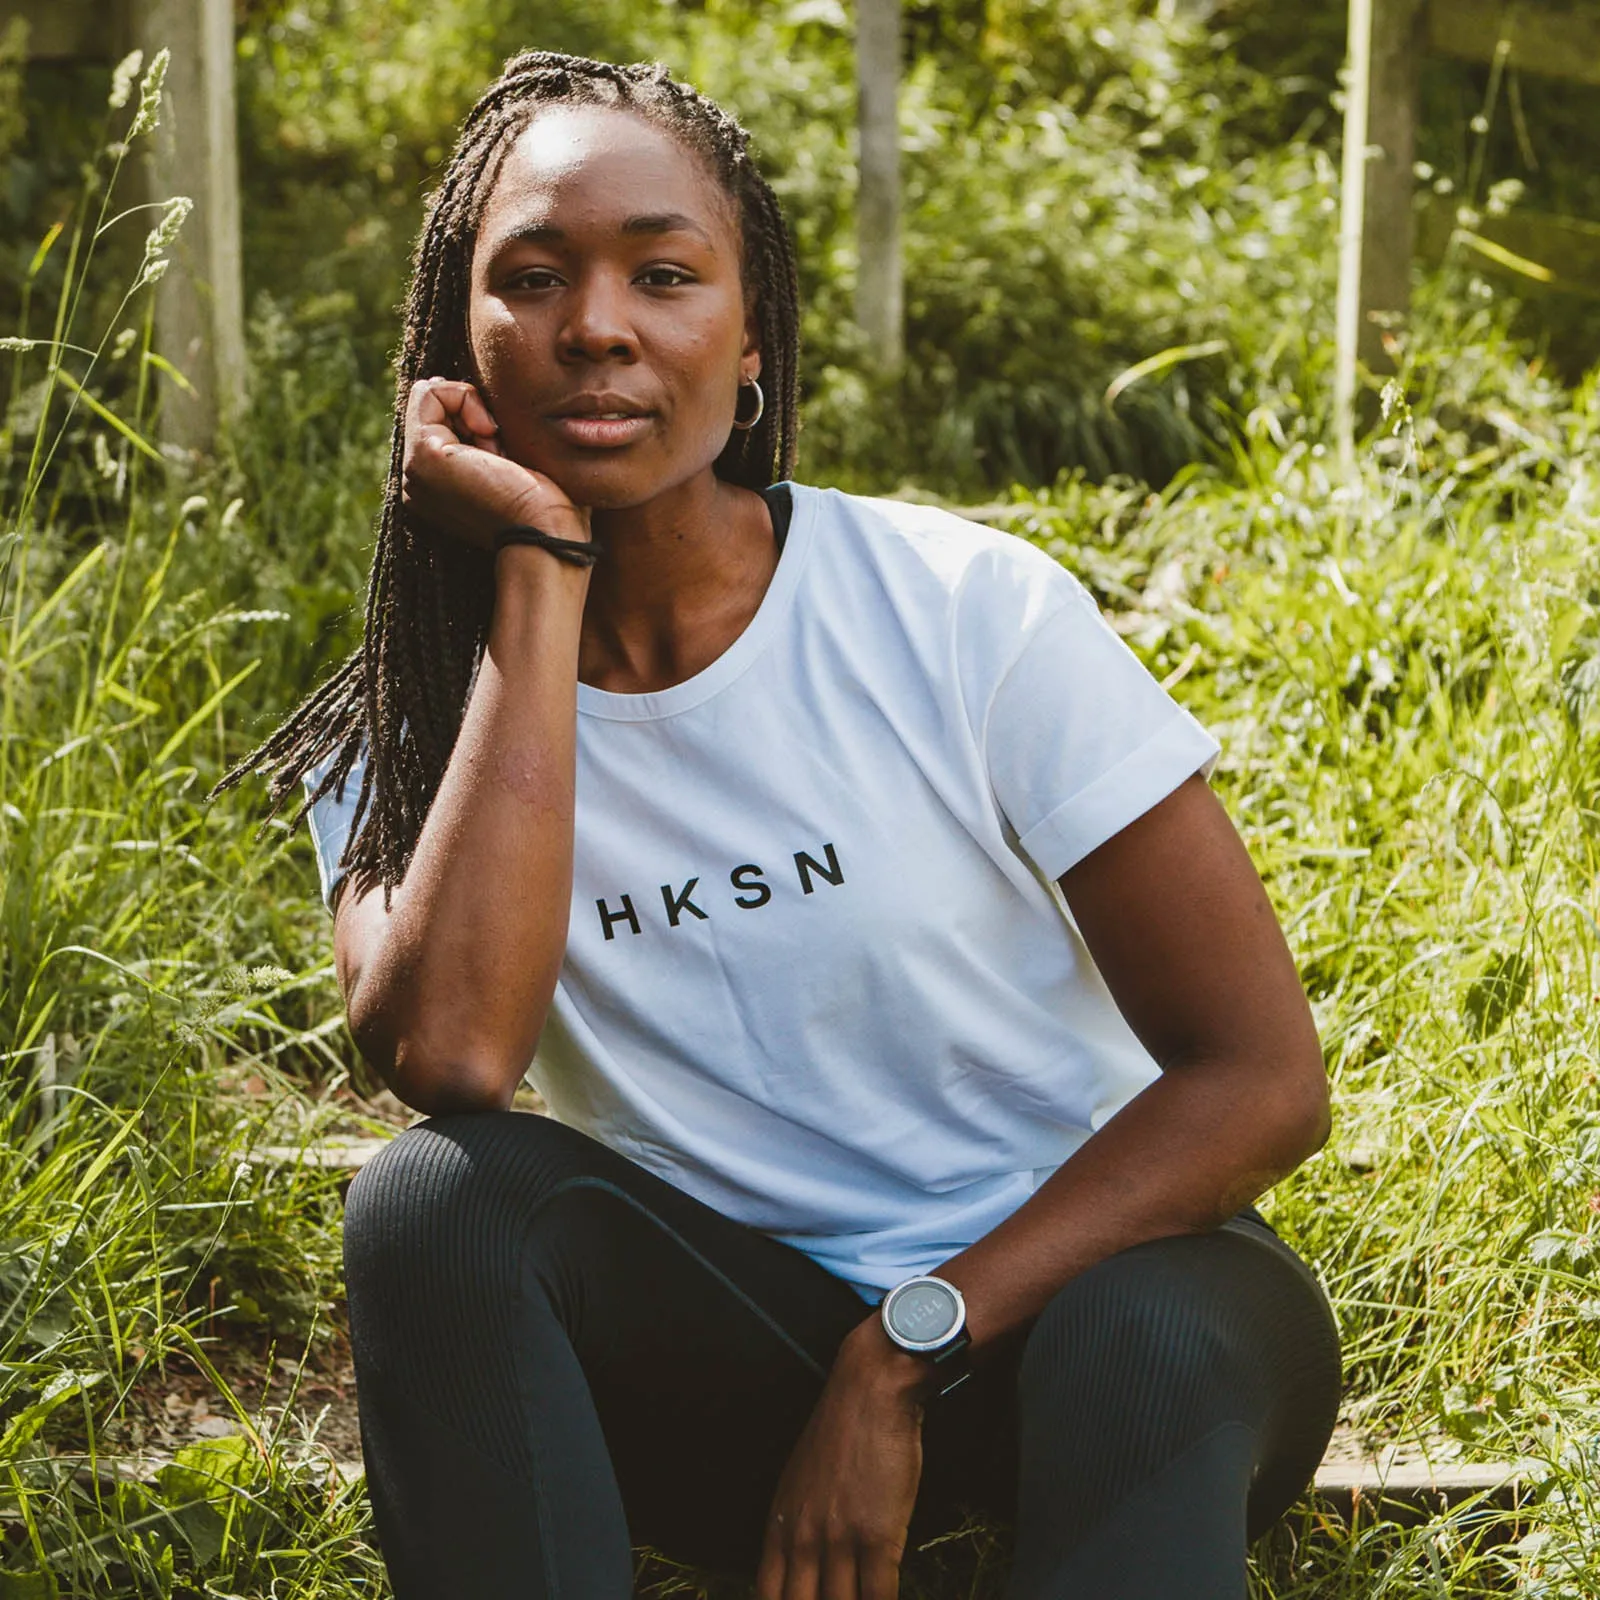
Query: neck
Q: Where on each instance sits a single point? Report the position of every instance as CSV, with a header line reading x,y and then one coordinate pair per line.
x,y
681,579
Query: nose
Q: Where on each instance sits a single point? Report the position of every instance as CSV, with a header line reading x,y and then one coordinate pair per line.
x,y
597,326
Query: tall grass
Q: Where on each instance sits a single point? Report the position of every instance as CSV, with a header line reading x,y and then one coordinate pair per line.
x,y
1405,675
1404,669
154,990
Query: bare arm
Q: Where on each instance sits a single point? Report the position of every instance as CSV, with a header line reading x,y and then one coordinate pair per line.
x,y
1180,927
447,990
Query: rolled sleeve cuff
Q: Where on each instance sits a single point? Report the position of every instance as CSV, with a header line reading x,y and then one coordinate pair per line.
x,y
1141,780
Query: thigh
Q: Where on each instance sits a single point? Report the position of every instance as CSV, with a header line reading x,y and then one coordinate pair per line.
x,y
702,1343
1166,1345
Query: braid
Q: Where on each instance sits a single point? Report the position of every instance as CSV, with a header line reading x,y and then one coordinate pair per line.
x,y
403,692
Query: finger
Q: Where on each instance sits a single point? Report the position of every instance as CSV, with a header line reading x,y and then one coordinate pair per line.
x,y
800,1570
421,406
878,1574
477,416
839,1576
770,1571
435,402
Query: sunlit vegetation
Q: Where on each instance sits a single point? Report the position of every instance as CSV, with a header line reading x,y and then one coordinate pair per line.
x,y
1402,664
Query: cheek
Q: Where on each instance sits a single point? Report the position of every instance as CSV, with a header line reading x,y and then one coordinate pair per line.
x,y
707,357
500,345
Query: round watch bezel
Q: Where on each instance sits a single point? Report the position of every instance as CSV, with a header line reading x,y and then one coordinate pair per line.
x,y
924,1346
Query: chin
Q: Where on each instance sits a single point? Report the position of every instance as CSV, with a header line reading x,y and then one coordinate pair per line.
x,y
614,481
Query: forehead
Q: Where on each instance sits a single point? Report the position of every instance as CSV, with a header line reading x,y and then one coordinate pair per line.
x,y
578,167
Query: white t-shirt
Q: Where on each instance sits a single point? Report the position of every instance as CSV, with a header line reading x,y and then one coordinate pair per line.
x,y
818,972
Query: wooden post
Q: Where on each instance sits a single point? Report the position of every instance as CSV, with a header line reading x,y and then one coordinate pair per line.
x,y
880,300
1377,229
195,152
1352,217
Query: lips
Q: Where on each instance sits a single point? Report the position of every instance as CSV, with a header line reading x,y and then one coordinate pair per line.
x,y
601,421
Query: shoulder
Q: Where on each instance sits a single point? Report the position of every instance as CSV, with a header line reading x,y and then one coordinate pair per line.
x,y
934,553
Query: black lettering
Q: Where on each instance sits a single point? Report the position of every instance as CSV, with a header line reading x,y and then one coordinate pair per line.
x,y
749,878
677,904
805,865
609,919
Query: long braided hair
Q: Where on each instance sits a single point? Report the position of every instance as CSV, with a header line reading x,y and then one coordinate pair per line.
x,y
403,692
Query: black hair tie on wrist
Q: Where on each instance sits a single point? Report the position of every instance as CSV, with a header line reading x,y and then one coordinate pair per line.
x,y
575,552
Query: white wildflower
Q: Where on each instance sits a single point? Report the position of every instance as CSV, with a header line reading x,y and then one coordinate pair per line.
x,y
162,237
149,112
127,69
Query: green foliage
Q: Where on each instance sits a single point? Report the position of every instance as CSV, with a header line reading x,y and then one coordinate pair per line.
x,y
1397,670
152,960
1403,666
348,111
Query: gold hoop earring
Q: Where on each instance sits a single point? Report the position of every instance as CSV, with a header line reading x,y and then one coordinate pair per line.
x,y
761,406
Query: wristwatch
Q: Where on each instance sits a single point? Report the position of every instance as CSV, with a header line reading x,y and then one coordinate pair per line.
x,y
927,1317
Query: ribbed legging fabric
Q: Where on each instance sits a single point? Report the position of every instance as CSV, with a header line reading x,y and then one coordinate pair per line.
x,y
559,1356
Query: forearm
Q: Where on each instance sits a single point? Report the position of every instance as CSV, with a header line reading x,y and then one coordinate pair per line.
x,y
1182,1157
451,1002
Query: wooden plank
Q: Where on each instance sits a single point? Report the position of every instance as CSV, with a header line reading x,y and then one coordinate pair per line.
x,y
1352,219
1557,42
326,1155
225,234
70,30
200,302
1455,1480
880,293
1389,227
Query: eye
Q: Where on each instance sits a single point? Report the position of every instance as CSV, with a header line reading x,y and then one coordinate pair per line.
x,y
534,278
665,276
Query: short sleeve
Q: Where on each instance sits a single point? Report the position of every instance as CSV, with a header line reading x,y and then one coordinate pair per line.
x,y
1079,739
330,820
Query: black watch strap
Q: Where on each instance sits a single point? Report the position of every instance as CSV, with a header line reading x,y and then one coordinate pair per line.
x,y
952,1366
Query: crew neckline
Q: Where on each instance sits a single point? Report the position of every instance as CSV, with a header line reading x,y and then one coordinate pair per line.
x,y
739,655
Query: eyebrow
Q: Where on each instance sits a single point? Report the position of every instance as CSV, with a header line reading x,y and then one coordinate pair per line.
x,y
651,223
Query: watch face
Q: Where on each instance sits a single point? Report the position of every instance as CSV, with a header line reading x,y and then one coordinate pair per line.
x,y
924,1313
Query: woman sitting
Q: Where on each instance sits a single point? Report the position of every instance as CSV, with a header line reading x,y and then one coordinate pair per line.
x,y
914,1028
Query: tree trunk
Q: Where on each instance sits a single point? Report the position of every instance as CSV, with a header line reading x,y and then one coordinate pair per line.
x,y
879,291
1377,231
195,152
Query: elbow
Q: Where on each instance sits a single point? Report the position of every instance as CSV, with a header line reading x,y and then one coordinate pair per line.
x,y
434,1078
452,1086
1308,1108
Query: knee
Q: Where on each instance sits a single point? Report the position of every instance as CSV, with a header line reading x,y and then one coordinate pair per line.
x,y
393,1209
1147,1330
411,1207
455,1186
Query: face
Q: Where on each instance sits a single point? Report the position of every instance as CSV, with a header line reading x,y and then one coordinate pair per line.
x,y
608,319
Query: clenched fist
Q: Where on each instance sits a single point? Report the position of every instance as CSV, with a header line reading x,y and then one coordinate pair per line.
x,y
456,476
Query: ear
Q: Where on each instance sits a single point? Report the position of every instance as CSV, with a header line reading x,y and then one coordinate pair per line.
x,y
750,356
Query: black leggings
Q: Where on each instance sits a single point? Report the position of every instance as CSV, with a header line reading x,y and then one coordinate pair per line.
x,y
559,1355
